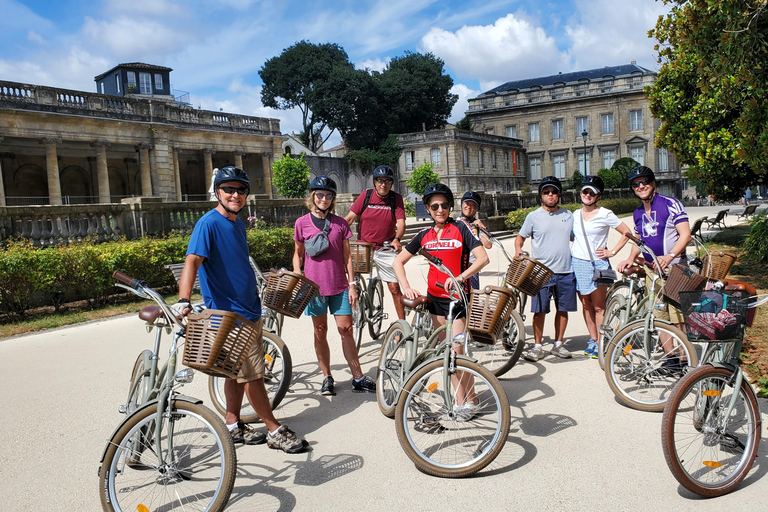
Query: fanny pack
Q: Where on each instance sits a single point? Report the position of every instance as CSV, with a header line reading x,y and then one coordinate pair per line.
x,y
318,243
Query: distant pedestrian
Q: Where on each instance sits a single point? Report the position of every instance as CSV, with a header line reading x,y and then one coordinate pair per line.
x,y
747,196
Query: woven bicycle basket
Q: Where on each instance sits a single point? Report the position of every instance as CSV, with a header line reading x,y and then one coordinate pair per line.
x,y
218,342
361,256
717,264
527,275
489,310
681,279
288,292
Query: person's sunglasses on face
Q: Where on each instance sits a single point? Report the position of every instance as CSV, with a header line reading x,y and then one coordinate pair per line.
x,y
549,191
232,190
326,195
434,206
383,181
646,181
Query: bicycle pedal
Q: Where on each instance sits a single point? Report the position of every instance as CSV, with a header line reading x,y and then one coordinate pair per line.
x,y
393,364
385,316
123,409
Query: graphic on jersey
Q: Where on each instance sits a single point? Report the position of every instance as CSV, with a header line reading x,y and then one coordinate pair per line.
x,y
442,245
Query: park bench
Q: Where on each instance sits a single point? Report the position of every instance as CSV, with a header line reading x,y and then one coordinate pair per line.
x,y
748,212
696,228
719,219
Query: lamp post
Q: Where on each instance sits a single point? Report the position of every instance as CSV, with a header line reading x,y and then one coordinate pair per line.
x,y
584,134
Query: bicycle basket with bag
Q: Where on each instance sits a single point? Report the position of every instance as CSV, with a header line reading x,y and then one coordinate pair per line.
x,y
712,315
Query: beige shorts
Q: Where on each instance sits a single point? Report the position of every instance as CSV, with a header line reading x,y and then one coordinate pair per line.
x,y
253,366
384,260
669,313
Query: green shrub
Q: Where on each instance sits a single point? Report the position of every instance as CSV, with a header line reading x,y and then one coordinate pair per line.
x,y
756,243
19,278
410,209
515,218
272,248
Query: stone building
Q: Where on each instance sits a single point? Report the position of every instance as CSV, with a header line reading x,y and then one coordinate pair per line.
x,y
584,120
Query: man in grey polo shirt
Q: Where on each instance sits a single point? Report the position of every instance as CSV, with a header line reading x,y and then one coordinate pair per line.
x,y
550,228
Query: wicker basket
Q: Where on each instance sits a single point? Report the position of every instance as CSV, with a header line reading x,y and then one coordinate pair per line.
x,y
527,275
489,310
681,279
717,264
218,342
361,256
714,316
288,292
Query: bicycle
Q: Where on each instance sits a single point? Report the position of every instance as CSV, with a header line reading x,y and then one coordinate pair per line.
x,y
370,297
431,391
170,452
711,426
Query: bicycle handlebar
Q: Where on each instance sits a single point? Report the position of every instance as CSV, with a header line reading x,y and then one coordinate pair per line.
x,y
432,259
126,279
139,288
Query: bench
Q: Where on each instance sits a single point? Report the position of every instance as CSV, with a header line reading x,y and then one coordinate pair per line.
x,y
696,228
177,268
748,212
719,219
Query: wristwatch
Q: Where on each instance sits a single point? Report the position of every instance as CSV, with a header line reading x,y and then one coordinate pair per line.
x,y
672,255
613,253
396,238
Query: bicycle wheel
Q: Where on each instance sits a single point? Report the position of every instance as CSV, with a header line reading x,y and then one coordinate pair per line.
x,y
619,287
442,441
612,320
501,356
641,376
358,318
392,370
198,462
278,369
272,321
708,453
136,389
376,311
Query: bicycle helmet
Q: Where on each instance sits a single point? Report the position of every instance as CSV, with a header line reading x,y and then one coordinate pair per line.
x,y
231,173
323,182
640,171
384,171
435,189
550,181
595,183
472,196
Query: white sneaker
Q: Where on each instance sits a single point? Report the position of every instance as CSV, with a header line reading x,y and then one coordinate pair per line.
x,y
536,353
561,351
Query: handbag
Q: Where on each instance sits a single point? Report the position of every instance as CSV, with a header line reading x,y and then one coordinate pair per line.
x,y
599,276
318,243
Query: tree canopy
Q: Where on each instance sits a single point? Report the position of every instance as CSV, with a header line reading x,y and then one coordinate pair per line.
x,y
711,93
421,177
291,176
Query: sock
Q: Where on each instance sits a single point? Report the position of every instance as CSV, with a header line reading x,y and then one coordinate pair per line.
x,y
232,426
558,343
360,379
275,431
537,345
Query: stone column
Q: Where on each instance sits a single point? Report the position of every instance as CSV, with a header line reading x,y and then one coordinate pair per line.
x,y
266,164
176,173
207,156
2,187
102,170
146,174
52,164
239,158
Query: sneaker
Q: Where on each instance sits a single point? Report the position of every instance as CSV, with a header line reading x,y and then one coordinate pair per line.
x,y
366,384
589,349
561,351
534,354
672,367
596,351
285,439
246,434
465,412
327,388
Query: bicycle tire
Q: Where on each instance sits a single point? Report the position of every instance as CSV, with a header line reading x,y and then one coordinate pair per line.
x,y
644,383
391,368
358,319
203,454
501,356
619,287
376,311
434,438
702,459
278,370
612,319
135,398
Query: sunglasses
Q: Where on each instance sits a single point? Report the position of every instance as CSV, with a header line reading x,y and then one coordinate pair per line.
x,y
434,206
383,181
550,191
232,190
588,192
328,195
646,181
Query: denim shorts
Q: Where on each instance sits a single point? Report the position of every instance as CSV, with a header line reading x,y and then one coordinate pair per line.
x,y
560,286
337,304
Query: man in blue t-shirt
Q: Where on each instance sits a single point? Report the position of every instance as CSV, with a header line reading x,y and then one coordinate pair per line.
x,y
218,250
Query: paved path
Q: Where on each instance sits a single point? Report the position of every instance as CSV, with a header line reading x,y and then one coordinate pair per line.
x,y
572,446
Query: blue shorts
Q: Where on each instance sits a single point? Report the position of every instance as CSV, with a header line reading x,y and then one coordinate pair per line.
x,y
337,304
560,286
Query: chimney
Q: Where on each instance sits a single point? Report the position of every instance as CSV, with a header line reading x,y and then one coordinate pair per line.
x,y
633,62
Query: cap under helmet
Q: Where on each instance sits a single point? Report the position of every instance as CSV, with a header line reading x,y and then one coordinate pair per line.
x,y
594,182
435,189
550,181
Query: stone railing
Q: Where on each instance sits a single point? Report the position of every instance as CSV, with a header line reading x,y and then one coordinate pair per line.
x,y
51,99
451,134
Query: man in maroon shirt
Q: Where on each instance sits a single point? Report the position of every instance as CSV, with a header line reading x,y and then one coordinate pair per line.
x,y
382,219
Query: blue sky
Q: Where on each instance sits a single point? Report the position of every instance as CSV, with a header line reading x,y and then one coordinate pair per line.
x,y
217,47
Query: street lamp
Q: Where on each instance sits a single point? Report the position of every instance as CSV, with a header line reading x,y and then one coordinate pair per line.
x,y
584,134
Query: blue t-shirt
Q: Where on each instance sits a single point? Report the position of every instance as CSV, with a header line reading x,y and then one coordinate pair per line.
x,y
227,280
657,229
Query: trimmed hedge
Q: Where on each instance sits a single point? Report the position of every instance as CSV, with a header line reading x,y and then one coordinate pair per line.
x,y
33,277
515,219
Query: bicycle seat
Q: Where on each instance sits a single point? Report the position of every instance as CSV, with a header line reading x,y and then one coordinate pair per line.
x,y
418,301
634,269
150,314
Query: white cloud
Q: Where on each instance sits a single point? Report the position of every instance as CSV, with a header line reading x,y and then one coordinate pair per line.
x,y
151,7
374,64
73,69
126,38
36,38
460,107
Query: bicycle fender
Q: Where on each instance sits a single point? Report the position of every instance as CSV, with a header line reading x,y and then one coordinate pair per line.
x,y
182,398
723,366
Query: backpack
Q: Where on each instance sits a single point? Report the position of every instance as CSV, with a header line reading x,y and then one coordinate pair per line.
x,y
367,200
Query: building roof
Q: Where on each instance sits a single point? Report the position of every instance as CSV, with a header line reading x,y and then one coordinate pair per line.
x,y
133,65
569,78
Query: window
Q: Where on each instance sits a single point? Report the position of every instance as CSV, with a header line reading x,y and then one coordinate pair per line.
x,y
607,122
581,89
557,92
609,156
535,164
493,158
607,85
511,131
409,160
435,155
158,82
288,149
559,161
533,96
117,83
583,163
466,156
480,158
102,87
533,132
663,160
506,159
638,155
131,78
582,125
557,129
145,83
635,82
636,120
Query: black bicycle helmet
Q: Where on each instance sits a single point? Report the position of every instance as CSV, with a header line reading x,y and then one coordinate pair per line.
x,y
472,196
384,171
437,188
231,173
594,182
550,181
323,182
640,171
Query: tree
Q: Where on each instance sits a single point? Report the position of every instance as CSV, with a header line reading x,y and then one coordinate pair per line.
x,y
421,177
291,176
712,89
297,77
622,166
575,181
612,179
465,124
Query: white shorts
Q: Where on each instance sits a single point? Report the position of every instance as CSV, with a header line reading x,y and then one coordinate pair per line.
x,y
384,259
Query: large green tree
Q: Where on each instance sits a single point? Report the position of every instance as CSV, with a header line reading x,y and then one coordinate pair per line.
x,y
711,93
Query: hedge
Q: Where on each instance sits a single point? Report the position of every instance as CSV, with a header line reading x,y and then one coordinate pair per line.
x,y
515,218
33,277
